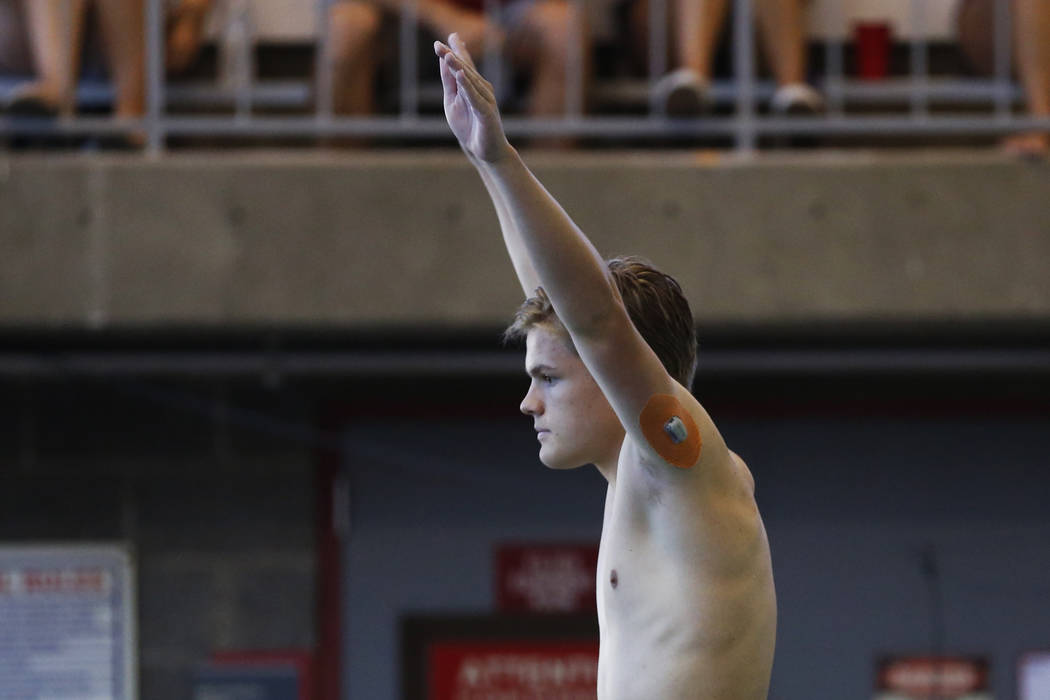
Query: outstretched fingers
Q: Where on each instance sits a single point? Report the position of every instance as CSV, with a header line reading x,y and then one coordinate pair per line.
x,y
470,80
448,80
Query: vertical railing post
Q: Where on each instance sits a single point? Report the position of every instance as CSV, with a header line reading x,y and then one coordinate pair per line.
x,y
68,99
323,64
409,75
1001,26
833,59
574,69
246,64
657,52
492,59
744,76
919,65
154,77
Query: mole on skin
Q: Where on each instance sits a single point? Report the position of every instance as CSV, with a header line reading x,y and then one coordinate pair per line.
x,y
613,579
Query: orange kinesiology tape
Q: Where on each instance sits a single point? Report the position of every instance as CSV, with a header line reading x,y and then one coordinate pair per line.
x,y
670,430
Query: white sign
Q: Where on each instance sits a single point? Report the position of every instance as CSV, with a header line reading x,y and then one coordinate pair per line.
x,y
67,629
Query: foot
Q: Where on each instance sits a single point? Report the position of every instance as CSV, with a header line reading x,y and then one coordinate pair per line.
x,y
32,100
797,99
682,93
1033,145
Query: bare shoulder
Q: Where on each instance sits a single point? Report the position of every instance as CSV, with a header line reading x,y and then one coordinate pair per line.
x,y
716,470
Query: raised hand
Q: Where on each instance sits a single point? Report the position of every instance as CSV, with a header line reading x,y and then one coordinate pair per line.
x,y
470,104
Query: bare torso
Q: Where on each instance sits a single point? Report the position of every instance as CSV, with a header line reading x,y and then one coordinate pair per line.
x,y
686,603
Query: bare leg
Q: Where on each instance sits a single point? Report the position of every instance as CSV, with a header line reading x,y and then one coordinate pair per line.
x,y
354,27
55,47
443,18
696,26
124,30
1032,40
781,24
544,40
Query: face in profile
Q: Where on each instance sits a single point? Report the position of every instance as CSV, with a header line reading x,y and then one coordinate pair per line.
x,y
574,423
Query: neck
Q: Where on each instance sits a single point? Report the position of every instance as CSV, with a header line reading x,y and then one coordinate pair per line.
x,y
607,467
608,464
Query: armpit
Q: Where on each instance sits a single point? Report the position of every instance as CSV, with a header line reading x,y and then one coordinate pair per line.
x,y
670,430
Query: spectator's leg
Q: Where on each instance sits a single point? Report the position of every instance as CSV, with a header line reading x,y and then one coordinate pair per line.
x,y
1032,41
782,30
543,40
442,18
693,30
354,27
696,27
781,25
56,51
124,31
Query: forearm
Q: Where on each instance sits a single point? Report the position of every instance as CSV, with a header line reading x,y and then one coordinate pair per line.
x,y
566,264
519,257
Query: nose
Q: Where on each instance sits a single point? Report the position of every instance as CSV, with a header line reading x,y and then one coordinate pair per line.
x,y
531,405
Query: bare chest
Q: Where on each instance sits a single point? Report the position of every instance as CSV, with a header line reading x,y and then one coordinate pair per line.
x,y
680,580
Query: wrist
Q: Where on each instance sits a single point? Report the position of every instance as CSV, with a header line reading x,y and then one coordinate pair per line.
x,y
503,157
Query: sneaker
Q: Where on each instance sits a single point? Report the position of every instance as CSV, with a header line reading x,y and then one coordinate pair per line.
x,y
797,99
681,93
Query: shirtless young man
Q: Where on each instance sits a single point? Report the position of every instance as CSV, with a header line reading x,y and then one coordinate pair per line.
x,y
686,605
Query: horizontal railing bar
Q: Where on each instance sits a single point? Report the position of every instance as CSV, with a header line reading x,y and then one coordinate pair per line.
x,y
600,127
290,93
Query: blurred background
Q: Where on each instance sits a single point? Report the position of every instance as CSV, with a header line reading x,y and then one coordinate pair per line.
x,y
260,438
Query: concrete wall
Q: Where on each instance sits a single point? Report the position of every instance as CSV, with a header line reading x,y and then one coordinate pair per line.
x,y
411,240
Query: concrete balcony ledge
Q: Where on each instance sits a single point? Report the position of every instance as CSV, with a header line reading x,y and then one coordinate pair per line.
x,y
399,239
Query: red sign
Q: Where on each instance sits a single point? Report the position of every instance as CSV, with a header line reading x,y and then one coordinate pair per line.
x,y
538,670
546,578
933,676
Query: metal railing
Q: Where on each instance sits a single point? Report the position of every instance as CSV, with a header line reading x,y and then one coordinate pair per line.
x,y
240,89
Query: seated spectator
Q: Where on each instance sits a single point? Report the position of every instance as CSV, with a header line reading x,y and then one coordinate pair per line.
x,y
52,35
693,32
535,35
1031,44
55,30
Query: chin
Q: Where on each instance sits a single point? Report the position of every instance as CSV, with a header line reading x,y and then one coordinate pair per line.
x,y
558,462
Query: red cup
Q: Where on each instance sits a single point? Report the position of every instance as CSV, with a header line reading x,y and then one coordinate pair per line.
x,y
872,41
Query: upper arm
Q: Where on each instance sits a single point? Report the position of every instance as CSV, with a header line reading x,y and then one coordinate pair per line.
x,y
645,397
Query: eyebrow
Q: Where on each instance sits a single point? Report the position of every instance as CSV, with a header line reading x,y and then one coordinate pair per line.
x,y
538,369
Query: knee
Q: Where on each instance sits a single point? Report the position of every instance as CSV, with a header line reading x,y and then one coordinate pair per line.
x,y
354,26
559,25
